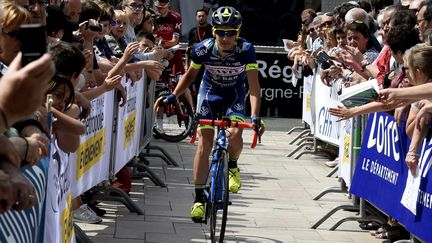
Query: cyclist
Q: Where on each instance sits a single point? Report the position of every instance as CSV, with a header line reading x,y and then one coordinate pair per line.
x,y
228,61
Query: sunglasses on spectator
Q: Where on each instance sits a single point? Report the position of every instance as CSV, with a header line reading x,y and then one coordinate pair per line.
x,y
226,32
310,30
327,23
136,7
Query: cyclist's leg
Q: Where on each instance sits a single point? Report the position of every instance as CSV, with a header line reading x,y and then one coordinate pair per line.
x,y
236,111
207,107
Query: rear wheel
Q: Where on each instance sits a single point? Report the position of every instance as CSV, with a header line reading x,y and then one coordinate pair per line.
x,y
219,202
177,122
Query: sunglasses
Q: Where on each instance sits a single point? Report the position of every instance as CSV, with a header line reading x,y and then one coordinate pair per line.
x,y
223,32
327,24
310,30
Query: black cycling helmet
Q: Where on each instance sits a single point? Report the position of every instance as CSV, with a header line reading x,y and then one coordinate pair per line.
x,y
227,16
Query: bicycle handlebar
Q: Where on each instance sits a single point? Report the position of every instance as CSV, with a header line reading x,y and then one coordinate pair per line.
x,y
228,123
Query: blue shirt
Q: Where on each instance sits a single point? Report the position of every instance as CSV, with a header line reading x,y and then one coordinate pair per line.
x,y
228,71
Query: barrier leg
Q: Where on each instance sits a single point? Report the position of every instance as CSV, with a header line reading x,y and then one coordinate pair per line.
x,y
334,170
80,235
294,129
306,152
349,207
341,189
148,172
298,148
358,219
164,156
305,139
372,216
118,195
299,136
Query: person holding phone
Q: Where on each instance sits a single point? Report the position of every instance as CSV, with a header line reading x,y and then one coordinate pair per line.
x,y
19,81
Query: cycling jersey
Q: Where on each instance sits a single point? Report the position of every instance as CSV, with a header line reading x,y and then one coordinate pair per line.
x,y
165,28
224,79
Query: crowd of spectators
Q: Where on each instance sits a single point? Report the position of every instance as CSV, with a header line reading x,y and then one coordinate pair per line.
x,y
365,40
91,46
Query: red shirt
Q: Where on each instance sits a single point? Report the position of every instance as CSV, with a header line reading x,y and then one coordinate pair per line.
x,y
168,26
165,28
383,63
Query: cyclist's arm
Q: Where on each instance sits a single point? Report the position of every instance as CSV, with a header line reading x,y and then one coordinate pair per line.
x,y
187,79
254,88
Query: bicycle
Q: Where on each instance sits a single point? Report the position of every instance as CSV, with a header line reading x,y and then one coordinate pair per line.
x,y
178,118
217,194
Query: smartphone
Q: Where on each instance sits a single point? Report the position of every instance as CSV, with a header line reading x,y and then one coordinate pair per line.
x,y
33,42
322,57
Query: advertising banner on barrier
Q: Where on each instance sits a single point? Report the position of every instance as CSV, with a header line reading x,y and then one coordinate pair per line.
x,y
58,210
90,163
277,90
381,175
326,126
307,93
345,145
28,225
128,124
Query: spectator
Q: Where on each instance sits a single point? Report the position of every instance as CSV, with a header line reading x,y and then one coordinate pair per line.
x,y
37,11
168,29
202,31
72,11
424,19
307,15
57,22
133,9
116,40
147,24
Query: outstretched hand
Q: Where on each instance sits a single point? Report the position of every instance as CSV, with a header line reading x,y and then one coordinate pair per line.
x,y
341,112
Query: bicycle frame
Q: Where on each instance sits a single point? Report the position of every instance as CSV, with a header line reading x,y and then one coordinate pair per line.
x,y
220,146
217,198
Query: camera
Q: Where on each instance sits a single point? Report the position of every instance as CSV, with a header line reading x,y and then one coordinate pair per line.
x,y
94,27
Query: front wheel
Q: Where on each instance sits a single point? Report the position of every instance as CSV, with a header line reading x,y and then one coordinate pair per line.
x,y
177,121
219,200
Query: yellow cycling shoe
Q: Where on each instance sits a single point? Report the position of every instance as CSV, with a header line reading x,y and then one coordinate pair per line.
x,y
234,180
198,212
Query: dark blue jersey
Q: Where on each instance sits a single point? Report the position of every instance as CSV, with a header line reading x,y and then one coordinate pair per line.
x,y
224,72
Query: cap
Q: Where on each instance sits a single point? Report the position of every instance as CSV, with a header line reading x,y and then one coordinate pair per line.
x,y
57,20
161,3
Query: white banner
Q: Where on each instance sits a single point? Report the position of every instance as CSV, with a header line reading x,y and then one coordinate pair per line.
x,y
307,93
90,163
345,145
58,211
326,127
128,124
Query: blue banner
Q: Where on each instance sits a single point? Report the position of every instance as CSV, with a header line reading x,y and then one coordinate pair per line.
x,y
27,226
381,174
